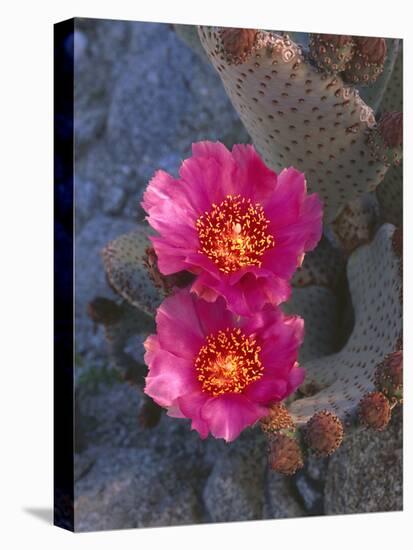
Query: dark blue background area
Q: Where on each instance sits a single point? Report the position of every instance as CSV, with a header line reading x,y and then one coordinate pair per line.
x,y
63,275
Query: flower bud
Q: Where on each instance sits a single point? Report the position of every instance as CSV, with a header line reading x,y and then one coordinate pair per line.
x,y
390,127
331,52
367,63
238,43
389,376
374,411
324,433
285,455
278,419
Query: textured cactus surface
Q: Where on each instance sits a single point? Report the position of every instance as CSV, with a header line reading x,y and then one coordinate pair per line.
x,y
390,196
300,115
318,307
345,377
125,264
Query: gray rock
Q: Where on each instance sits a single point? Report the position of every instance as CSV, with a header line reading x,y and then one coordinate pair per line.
x,y
117,188
365,474
165,99
310,493
141,98
235,489
280,499
129,488
316,468
90,279
99,48
86,202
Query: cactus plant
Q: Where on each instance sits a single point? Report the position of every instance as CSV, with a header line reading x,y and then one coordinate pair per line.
x,y
344,384
298,114
330,106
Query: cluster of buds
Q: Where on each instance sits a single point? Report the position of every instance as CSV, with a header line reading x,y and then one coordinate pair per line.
x,y
322,435
359,59
385,142
376,407
389,377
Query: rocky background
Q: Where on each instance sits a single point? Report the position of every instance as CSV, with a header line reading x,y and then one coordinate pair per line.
x,y
141,98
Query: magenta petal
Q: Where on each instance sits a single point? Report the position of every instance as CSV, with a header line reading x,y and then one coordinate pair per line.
x,y
229,414
267,390
179,329
171,259
191,404
296,378
213,318
174,411
260,291
151,346
168,379
255,179
284,205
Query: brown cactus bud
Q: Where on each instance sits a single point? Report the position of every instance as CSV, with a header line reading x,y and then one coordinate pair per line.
x,y
374,411
278,419
374,50
385,141
367,63
331,52
390,127
285,456
389,376
104,311
238,43
164,282
324,433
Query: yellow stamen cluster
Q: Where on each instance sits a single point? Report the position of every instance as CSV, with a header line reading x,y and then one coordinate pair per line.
x,y
228,362
234,234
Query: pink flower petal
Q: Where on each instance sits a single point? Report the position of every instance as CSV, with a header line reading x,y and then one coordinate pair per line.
x,y
191,404
296,378
267,390
256,180
169,378
179,329
229,414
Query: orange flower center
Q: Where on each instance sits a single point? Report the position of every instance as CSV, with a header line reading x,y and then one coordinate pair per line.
x,y
234,233
228,362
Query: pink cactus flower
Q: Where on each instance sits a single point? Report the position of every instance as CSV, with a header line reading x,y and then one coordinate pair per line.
x,y
231,221
218,369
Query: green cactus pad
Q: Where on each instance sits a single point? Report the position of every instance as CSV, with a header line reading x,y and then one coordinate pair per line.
x,y
345,377
374,94
393,95
298,116
390,196
123,259
318,307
